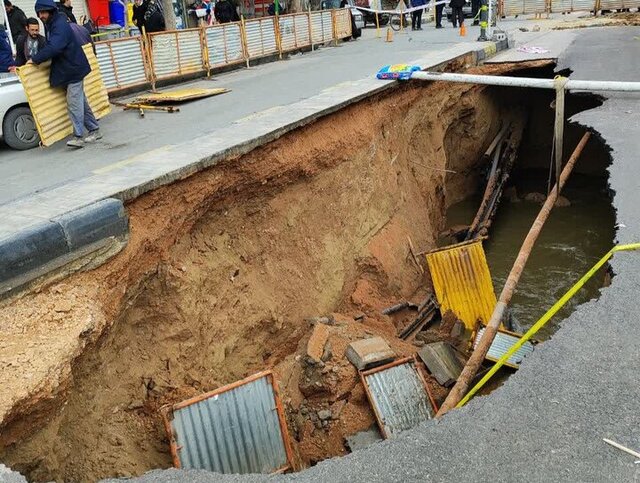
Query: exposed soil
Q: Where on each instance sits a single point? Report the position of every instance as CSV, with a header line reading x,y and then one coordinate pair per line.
x,y
220,275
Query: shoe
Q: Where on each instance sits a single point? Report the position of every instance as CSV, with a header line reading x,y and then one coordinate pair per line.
x,y
93,136
476,22
419,28
439,27
75,143
455,25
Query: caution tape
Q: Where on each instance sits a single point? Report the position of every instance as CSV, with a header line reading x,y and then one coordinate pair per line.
x,y
408,10
545,318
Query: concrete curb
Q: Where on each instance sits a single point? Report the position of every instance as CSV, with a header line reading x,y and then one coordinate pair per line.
x,y
63,238
47,230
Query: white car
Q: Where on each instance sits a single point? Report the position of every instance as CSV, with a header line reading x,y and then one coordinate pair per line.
x,y
17,127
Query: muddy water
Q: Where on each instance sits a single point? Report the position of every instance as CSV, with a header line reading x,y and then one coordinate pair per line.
x,y
572,240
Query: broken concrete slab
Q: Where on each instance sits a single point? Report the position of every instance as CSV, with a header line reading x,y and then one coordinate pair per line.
x,y
317,341
442,362
367,353
364,439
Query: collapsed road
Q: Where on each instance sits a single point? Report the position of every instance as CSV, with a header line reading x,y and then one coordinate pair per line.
x,y
547,422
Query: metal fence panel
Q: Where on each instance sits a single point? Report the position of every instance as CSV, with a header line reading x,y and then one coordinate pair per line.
x,y
501,344
190,58
399,397
164,55
49,105
343,23
236,429
261,37
462,282
301,22
582,5
513,7
287,27
321,27
559,6
535,6
122,62
224,44
611,4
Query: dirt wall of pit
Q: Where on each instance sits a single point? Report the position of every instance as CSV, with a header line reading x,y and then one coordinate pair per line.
x,y
220,274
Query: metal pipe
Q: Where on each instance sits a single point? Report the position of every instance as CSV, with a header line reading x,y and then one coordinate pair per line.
x,y
506,81
479,353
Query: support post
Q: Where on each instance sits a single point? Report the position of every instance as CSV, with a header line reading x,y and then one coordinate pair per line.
x,y
499,312
483,21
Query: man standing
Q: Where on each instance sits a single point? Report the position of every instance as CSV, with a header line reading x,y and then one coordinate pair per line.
x,y
17,20
69,67
225,11
416,15
66,8
7,63
439,9
457,15
153,16
475,8
29,43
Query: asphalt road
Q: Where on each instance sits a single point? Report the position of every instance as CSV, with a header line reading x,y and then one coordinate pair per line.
x,y
253,90
546,423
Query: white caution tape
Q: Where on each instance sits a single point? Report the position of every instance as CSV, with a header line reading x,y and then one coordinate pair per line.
x,y
408,10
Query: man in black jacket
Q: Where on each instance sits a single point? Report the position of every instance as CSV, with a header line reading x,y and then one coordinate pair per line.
x,y
65,7
17,20
29,43
225,11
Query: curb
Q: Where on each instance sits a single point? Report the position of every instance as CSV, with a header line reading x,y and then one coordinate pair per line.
x,y
56,242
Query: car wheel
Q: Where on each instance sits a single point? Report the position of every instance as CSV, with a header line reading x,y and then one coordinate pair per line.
x,y
19,129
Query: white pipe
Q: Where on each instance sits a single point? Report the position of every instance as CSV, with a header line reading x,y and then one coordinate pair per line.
x,y
571,85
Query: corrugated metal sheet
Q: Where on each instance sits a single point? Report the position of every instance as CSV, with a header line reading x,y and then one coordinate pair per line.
x,y
302,29
535,6
49,105
342,19
261,37
179,95
224,43
236,429
287,32
501,344
513,7
558,6
190,58
122,62
611,4
398,396
321,27
164,54
462,282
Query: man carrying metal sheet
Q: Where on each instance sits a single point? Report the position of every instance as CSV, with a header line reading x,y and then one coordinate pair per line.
x,y
69,67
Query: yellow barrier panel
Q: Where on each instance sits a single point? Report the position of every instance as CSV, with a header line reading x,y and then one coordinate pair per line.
x,y
49,105
462,282
545,318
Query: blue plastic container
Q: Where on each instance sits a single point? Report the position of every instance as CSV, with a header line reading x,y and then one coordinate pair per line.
x,y
117,13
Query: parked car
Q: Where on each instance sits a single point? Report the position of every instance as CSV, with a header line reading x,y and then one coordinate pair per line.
x,y
17,126
370,17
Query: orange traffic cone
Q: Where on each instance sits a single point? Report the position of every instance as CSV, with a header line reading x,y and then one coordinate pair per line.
x,y
389,35
463,30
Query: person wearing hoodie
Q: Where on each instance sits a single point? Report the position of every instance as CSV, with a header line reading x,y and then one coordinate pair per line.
x,y
69,67
7,64
17,19
66,8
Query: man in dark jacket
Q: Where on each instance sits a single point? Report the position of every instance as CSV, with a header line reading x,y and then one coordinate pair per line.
x,y
416,15
29,43
225,11
69,67
17,20
7,64
457,15
66,8
153,16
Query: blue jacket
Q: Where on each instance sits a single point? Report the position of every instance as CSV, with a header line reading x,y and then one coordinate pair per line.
x,y
6,56
68,62
418,3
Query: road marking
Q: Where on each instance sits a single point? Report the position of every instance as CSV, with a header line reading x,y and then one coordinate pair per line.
x,y
131,160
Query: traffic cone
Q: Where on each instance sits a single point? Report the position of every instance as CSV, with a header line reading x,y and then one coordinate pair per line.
x,y
463,30
389,35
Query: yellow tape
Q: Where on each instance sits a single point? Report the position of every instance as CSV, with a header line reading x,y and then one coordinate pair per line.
x,y
545,318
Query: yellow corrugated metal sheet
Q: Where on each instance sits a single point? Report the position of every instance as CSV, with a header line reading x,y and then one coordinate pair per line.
x,y
462,282
179,95
49,105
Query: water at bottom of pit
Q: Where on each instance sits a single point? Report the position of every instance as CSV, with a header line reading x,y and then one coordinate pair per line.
x,y
573,239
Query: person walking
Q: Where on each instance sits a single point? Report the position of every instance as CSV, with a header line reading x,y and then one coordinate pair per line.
x,y
69,67
439,10
457,16
138,14
416,15
475,8
66,8
17,20
7,64
29,43
225,12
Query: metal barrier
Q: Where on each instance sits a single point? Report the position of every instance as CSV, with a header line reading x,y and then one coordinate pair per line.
x,y
342,23
176,53
134,61
122,63
321,27
261,37
294,31
224,44
509,8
